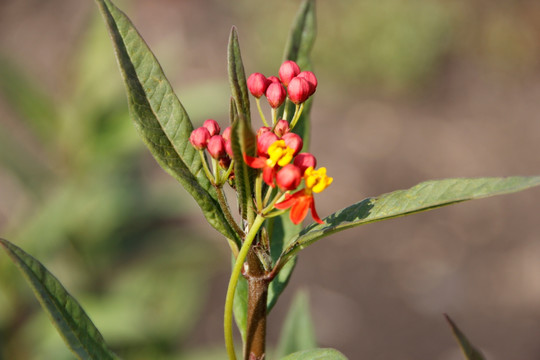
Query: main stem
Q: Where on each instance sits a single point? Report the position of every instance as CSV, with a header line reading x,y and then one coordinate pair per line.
x,y
256,311
233,282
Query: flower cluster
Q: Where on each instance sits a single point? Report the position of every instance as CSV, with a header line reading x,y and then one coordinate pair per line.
x,y
292,83
218,147
290,175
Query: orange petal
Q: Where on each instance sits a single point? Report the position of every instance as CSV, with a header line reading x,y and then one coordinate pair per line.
x,y
256,163
314,214
300,209
268,175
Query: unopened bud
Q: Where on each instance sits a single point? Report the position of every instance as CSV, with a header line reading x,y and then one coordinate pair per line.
x,y
227,134
274,79
264,141
199,138
281,128
225,162
212,126
216,147
288,70
311,79
263,130
304,161
293,141
299,90
228,148
257,84
289,177
276,94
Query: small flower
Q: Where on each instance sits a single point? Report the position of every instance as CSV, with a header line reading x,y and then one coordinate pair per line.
x,y
289,177
216,147
299,90
311,79
257,84
275,94
212,126
304,161
294,141
281,128
302,201
199,138
288,70
278,155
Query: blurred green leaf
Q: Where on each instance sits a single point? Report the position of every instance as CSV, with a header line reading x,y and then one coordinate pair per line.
x,y
422,197
316,354
78,331
470,352
159,116
298,331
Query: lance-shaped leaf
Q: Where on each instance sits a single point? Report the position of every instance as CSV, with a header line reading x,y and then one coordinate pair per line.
x,y
75,327
242,142
424,196
470,352
298,48
316,354
159,116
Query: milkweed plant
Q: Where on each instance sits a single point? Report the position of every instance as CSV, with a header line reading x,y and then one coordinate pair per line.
x,y
274,179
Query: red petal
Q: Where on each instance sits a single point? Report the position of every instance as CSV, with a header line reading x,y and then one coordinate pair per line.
x,y
314,214
300,209
287,203
256,163
268,175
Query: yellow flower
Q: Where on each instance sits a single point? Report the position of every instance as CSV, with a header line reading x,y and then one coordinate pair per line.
x,y
316,180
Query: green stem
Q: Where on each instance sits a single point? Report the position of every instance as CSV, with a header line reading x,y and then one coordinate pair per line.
x,y
258,193
233,282
227,212
206,169
261,112
297,112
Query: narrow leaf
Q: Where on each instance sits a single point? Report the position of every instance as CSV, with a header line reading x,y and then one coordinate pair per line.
x,y
298,331
75,327
242,141
316,354
240,305
237,76
470,352
424,196
159,116
298,48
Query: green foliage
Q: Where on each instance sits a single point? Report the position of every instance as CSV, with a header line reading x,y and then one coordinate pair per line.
x,y
422,197
78,331
316,354
298,332
470,352
159,116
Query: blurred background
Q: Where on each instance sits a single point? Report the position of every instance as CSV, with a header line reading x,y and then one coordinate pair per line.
x,y
408,91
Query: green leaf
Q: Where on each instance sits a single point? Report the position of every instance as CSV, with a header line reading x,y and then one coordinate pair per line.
x,y
159,116
298,331
422,197
240,305
298,48
316,354
470,352
78,331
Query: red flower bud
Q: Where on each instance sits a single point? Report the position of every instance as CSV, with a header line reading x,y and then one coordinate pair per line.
x,y
305,160
228,148
212,126
298,89
264,141
281,128
199,138
287,71
263,130
294,141
275,93
311,79
216,147
274,79
257,84
227,133
225,162
289,177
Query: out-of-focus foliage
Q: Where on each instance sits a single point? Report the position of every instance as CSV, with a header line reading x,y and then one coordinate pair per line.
x,y
80,193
